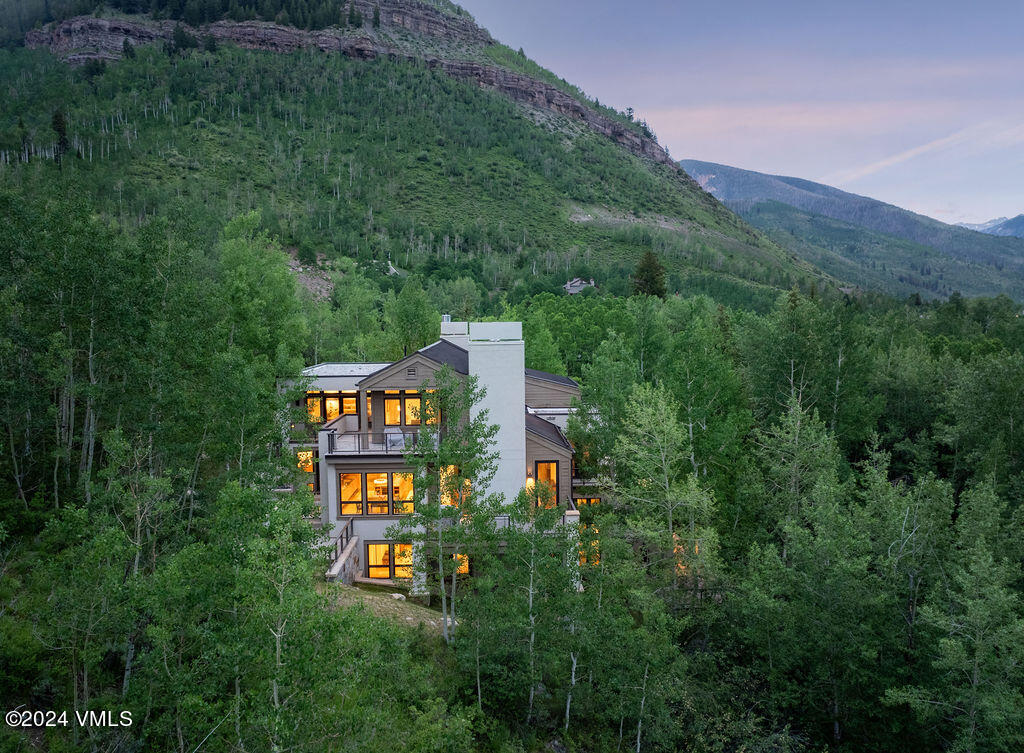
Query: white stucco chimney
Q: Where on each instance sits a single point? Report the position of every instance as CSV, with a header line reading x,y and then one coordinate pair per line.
x,y
456,333
497,358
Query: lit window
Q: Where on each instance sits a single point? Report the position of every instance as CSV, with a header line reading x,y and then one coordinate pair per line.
x,y
377,493
462,564
547,473
313,407
305,460
447,482
392,411
332,407
351,494
369,406
580,501
403,560
349,404
431,410
392,392
401,492
378,560
412,411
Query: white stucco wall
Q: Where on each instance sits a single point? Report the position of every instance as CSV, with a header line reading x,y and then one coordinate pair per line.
x,y
497,359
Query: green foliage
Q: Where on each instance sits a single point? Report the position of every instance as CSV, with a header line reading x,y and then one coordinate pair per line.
x,y
808,529
649,277
382,162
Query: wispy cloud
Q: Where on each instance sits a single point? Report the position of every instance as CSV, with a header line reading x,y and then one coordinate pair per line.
x,y
975,139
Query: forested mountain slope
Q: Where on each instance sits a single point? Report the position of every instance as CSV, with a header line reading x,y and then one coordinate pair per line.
x,y
879,245
1013,226
407,135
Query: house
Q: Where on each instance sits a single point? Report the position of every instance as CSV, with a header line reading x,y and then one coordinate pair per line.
x,y
364,414
578,285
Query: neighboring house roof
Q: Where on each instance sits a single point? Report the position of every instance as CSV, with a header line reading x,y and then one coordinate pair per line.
x,y
445,352
552,377
546,430
576,285
343,369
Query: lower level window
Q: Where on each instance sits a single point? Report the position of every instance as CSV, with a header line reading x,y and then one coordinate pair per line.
x,y
385,560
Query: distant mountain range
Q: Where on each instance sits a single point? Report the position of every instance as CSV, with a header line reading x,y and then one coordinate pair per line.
x,y
868,242
1000,226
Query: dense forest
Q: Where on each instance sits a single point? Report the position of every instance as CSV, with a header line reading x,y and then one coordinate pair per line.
x,y
830,558
810,533
377,161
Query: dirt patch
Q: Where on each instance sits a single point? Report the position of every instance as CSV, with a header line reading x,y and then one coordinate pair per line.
x,y
316,279
383,604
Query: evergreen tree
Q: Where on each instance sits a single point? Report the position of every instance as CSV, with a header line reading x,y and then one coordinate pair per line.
x,y
61,130
649,276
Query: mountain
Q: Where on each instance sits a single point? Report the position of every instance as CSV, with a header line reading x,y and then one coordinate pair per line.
x,y
982,227
865,240
1002,226
407,136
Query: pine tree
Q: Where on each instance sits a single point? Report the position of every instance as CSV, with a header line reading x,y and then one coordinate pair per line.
x,y
60,128
649,276
376,16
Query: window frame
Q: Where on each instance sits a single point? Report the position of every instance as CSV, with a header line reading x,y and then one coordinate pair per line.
x,y
362,496
387,493
392,553
536,478
364,492
320,398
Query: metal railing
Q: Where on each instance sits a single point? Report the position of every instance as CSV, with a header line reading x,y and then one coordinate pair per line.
x,y
340,541
392,442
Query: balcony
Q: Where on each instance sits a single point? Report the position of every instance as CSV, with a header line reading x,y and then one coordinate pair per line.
x,y
390,441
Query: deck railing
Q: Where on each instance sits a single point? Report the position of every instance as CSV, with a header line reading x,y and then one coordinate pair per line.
x,y
371,442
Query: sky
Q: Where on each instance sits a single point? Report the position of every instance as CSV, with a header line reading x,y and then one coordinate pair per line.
x,y
920,104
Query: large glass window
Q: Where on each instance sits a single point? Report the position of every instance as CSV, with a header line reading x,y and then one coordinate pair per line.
x,y
448,491
332,407
403,560
351,493
313,408
547,473
378,560
387,560
349,404
392,411
307,465
377,493
401,493
412,411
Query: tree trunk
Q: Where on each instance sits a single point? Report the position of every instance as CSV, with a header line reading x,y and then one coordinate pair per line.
x,y
643,700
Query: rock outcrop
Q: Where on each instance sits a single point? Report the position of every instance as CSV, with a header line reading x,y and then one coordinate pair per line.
x,y
85,38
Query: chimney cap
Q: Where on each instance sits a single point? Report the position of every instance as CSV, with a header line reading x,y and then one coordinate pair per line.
x,y
446,318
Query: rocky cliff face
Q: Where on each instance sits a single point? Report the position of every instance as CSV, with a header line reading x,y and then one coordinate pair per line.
x,y
85,38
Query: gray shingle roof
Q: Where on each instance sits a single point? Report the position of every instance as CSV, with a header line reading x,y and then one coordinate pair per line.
x,y
551,377
547,430
445,352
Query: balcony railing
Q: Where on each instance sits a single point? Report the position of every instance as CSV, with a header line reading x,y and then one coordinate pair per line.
x,y
390,442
